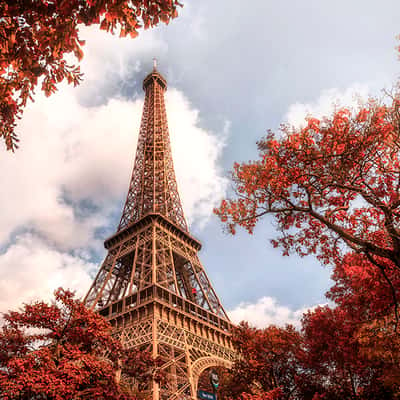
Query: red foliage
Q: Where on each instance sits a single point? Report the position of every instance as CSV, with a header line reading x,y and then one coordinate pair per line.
x,y
333,364
336,180
63,351
364,296
143,367
267,363
334,357
275,394
36,35
360,288
380,344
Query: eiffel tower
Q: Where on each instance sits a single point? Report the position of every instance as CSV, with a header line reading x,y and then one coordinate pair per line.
x,y
152,286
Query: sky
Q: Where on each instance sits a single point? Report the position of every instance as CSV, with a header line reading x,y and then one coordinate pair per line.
x,y
234,69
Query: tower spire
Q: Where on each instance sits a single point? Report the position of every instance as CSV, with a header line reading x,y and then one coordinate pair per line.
x,y
153,188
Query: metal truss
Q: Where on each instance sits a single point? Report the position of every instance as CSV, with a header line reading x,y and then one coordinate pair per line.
x,y
154,255
153,187
186,354
152,286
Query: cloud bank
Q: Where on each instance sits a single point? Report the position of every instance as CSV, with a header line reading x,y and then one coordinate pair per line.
x,y
326,103
266,311
32,270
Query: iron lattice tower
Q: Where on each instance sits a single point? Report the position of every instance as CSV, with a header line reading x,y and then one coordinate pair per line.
x,y
151,286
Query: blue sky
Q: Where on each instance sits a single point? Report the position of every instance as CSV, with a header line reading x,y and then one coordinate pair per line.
x,y
234,70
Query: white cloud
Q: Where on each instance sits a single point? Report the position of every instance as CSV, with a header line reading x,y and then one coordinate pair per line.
x,y
31,270
66,149
109,58
325,105
196,153
266,311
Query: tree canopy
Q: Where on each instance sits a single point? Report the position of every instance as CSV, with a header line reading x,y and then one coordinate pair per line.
x,y
333,188
336,180
348,351
35,36
62,351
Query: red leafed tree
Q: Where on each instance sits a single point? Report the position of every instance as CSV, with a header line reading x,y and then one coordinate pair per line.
x,y
333,188
267,365
365,299
380,344
350,351
361,290
36,35
333,362
63,351
335,182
